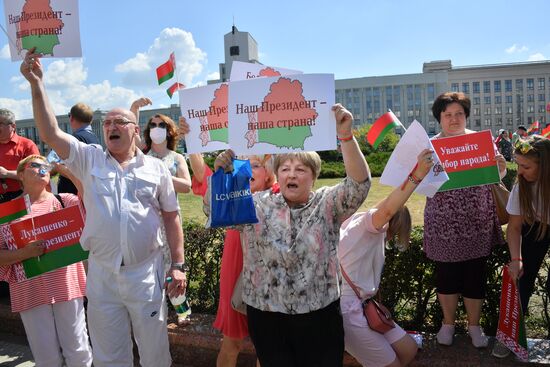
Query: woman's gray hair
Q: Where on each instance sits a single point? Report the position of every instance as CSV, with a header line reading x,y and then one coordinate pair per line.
x,y
310,159
8,115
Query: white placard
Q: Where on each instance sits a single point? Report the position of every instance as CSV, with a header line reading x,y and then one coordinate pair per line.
x,y
247,70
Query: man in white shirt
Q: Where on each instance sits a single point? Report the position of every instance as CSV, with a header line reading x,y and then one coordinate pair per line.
x,y
126,195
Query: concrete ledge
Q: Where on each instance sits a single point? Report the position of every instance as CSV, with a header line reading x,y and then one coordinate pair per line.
x,y
197,345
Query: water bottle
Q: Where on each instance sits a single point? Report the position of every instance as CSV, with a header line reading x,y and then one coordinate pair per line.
x,y
181,305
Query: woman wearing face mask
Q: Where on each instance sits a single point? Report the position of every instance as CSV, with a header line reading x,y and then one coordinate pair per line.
x,y
161,138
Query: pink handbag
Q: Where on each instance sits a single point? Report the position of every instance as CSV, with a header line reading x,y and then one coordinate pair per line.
x,y
378,316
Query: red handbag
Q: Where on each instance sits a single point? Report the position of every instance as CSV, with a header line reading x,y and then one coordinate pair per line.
x,y
378,316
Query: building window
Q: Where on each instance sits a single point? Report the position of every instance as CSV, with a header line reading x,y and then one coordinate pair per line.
x,y
496,85
530,84
234,51
487,122
477,123
476,111
509,99
410,113
509,110
498,99
486,86
488,110
498,110
541,83
529,120
476,100
431,92
542,109
465,87
530,109
475,87
508,85
530,98
519,85
542,98
499,121
454,87
509,121
487,100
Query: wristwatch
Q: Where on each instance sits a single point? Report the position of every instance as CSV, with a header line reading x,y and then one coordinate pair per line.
x,y
180,266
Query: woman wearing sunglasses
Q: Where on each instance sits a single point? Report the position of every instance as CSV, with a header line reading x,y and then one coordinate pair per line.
x,y
51,305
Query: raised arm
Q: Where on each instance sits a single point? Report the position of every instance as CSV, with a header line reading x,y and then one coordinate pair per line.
x,y
195,159
399,196
46,123
134,108
182,179
354,161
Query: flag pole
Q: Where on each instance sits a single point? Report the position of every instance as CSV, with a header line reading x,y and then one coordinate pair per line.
x,y
400,123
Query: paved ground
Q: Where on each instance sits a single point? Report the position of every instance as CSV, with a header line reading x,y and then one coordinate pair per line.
x,y
15,352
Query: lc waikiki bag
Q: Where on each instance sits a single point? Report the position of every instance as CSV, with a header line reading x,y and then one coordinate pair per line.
x,y
378,316
231,200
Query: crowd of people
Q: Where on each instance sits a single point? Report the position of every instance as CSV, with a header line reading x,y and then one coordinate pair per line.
x,y
307,267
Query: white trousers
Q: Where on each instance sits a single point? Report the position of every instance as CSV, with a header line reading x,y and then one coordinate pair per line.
x,y
55,329
130,300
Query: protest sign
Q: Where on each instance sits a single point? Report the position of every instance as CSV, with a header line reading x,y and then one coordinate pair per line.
x,y
205,109
405,157
511,324
282,114
60,230
51,26
468,159
247,70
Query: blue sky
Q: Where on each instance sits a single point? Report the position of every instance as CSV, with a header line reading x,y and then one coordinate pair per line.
x,y
124,41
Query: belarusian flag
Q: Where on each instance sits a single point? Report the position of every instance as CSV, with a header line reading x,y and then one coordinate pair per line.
x,y
166,70
174,88
14,209
381,127
533,128
511,324
546,132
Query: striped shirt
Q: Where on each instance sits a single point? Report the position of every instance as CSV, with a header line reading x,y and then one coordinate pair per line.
x,y
56,286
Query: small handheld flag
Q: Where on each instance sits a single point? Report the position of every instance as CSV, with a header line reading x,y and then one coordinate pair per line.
x,y
381,127
166,71
176,86
533,128
546,132
14,209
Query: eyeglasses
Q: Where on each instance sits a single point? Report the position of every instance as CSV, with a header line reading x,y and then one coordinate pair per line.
x,y
43,167
120,122
162,125
523,146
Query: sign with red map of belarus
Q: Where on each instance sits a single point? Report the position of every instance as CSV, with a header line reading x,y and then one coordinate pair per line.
x,y
205,109
247,70
52,26
282,114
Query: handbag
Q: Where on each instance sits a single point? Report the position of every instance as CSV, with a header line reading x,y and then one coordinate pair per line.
x,y
500,197
378,316
237,302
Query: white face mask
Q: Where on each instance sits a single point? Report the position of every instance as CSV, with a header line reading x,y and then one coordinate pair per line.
x,y
158,135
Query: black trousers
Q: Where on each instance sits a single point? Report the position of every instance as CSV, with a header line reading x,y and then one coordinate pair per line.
x,y
314,339
532,253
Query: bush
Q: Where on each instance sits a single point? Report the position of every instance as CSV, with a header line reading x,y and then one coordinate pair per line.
x,y
408,283
510,178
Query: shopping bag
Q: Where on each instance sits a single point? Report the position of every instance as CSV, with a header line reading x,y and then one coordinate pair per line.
x,y
231,200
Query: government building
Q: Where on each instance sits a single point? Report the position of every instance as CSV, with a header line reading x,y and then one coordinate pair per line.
x,y
503,96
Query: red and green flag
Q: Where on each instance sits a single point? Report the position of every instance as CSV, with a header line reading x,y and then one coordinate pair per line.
x,y
176,86
14,209
546,132
511,323
468,159
60,230
166,70
534,128
381,127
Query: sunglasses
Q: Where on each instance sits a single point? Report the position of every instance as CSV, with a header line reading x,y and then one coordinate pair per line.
x,y
121,122
43,167
162,125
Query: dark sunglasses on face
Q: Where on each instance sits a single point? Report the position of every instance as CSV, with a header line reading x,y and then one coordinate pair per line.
x,y
162,125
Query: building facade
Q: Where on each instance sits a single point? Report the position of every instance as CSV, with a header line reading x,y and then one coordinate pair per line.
x,y
503,96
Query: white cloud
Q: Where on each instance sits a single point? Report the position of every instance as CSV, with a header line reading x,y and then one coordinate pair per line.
x,y
515,48
61,74
5,52
536,57
22,108
213,76
190,60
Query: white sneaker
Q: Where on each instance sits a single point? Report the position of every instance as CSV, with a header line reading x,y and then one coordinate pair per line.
x,y
500,350
445,334
479,340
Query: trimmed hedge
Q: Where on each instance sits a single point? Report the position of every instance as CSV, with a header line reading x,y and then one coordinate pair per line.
x,y
408,283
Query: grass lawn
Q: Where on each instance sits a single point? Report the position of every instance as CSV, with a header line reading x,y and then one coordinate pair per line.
x,y
191,205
